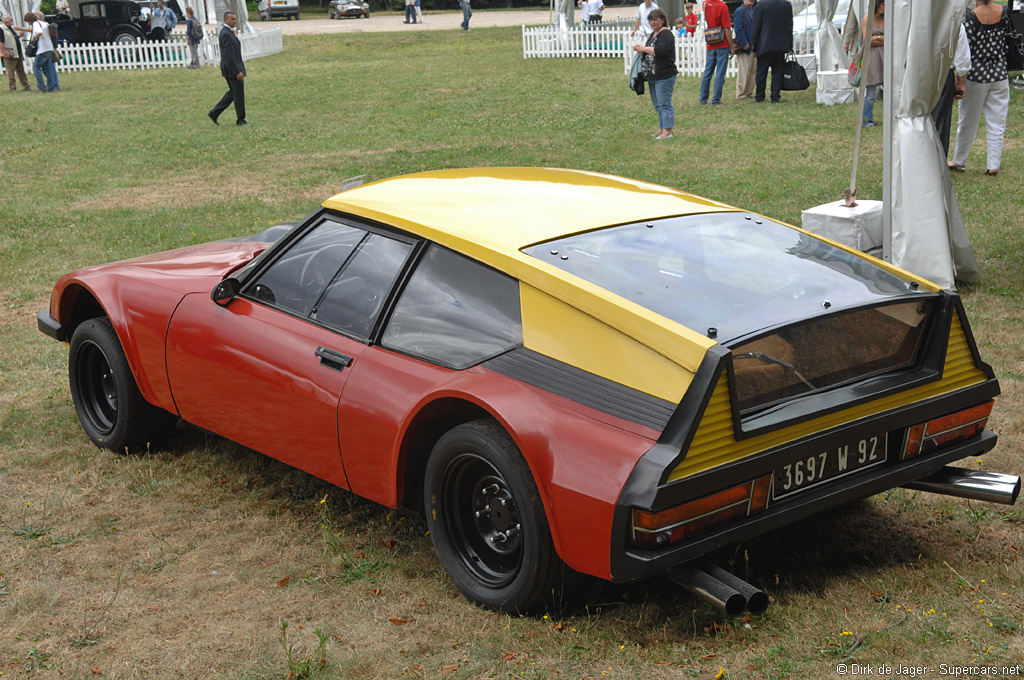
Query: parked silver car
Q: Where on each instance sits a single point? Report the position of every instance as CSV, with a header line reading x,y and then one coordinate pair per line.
x,y
348,8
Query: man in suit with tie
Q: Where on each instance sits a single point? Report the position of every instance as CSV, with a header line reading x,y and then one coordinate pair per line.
x,y
771,36
233,70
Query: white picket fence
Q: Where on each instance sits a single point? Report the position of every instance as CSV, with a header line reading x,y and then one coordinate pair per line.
x,y
597,40
159,54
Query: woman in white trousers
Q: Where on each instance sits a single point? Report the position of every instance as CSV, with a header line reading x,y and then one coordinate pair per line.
x,y
988,87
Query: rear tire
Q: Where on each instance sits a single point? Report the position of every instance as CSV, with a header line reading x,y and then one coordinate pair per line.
x,y
110,407
487,521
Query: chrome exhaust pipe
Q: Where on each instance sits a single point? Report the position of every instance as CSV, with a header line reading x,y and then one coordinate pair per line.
x,y
978,485
730,594
757,599
709,589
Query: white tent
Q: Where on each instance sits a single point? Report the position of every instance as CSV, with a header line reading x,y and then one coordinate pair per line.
x,y
828,46
239,8
19,8
923,230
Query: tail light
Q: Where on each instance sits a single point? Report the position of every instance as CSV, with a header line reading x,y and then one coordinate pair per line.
x,y
657,529
926,437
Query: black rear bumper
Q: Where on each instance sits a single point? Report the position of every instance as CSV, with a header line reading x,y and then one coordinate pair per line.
x,y
630,563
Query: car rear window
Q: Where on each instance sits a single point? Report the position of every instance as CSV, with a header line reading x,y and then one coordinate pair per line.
x,y
828,351
726,275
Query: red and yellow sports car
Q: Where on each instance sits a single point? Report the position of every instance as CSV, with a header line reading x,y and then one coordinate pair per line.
x,y
554,367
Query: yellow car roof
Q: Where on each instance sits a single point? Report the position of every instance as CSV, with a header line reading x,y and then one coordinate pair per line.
x,y
506,209
490,214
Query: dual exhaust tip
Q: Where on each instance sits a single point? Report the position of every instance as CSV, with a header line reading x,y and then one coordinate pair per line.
x,y
729,593
732,595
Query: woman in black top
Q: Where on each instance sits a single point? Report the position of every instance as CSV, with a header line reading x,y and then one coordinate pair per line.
x,y
988,89
659,69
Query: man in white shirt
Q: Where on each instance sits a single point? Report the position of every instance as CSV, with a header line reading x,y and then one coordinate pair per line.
x,y
956,85
642,24
596,7
44,64
584,6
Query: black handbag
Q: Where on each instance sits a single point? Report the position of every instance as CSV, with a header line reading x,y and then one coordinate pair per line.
x,y
794,77
30,48
1014,45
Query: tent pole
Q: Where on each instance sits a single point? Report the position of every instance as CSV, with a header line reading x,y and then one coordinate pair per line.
x,y
888,109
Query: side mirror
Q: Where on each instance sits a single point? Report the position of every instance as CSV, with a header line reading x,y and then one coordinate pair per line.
x,y
225,291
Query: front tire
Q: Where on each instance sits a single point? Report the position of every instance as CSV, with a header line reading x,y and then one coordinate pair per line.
x,y
110,407
486,519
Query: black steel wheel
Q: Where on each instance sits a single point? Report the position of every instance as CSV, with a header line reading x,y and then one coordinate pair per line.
x,y
110,407
487,520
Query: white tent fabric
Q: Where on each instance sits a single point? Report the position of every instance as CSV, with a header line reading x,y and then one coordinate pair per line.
x,y
19,8
240,10
828,46
927,233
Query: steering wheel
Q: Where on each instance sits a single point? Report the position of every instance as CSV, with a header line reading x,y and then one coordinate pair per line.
x,y
320,268
357,296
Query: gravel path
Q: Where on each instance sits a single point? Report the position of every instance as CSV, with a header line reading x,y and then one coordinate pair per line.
x,y
309,25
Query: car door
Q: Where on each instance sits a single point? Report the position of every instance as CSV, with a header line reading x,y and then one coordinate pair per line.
x,y
267,369
92,22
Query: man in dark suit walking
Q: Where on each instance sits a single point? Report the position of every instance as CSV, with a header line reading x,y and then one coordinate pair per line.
x,y
771,36
233,70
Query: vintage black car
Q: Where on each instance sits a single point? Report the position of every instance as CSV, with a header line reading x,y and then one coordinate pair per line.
x,y
117,21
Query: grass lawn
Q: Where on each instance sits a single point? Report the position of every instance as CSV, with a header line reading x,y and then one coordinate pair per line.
x,y
211,560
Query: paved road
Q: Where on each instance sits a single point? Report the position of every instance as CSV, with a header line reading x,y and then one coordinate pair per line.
x,y
310,24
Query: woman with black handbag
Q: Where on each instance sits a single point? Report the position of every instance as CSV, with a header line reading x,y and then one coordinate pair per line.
x,y
989,88
660,72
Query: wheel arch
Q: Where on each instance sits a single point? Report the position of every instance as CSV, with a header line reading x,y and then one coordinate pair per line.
x,y
77,302
75,305
429,424
124,28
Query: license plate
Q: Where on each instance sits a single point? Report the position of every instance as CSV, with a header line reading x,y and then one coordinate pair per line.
x,y
830,464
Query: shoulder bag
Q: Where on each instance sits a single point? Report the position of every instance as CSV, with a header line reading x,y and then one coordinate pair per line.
x,y
712,34
30,48
794,77
1014,44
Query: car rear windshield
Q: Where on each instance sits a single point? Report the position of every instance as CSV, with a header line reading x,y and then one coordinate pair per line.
x,y
726,274
827,351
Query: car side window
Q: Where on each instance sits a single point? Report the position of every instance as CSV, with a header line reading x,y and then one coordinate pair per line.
x,y
299,277
455,312
355,298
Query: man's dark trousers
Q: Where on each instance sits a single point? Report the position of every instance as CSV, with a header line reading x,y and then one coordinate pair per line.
x,y
236,94
942,114
765,61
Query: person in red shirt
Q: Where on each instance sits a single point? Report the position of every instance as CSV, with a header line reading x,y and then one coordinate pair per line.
x,y
691,19
716,15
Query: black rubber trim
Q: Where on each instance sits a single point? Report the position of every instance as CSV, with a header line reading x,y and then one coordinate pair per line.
x,y
584,388
50,326
629,563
